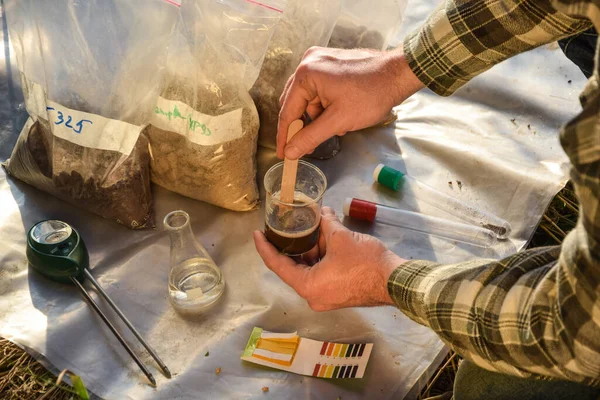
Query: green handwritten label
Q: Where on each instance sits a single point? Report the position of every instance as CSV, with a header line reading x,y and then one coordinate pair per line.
x,y
192,124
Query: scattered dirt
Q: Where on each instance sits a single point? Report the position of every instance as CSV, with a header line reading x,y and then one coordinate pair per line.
x,y
496,229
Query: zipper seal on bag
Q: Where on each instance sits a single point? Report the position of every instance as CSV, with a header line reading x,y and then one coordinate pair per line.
x,y
258,3
176,4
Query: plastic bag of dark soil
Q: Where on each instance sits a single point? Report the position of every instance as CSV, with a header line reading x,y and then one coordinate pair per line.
x,y
362,25
204,130
303,24
90,76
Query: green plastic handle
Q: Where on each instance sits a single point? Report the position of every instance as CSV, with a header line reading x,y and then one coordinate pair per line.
x,y
57,267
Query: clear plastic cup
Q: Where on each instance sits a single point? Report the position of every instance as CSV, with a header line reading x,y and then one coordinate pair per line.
x,y
294,228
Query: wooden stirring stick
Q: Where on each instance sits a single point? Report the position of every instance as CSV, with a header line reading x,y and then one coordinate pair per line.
x,y
290,168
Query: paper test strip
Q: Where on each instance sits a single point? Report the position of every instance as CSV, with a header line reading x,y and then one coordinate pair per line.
x,y
291,353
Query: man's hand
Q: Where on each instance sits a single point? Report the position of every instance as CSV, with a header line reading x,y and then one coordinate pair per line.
x,y
353,271
342,91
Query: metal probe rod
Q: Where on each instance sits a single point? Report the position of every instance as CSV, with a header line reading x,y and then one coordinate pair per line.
x,y
113,330
162,365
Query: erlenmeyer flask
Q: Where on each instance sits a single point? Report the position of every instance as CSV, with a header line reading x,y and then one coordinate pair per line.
x,y
195,281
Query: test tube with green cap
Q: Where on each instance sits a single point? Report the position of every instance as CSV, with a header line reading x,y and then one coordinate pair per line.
x,y
399,181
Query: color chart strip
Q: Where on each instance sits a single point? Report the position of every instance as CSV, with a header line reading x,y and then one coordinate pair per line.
x,y
324,348
342,350
337,371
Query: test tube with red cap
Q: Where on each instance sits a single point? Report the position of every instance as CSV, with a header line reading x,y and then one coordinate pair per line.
x,y
408,185
373,212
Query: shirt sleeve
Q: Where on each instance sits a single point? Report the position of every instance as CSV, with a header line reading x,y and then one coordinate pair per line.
x,y
538,311
463,38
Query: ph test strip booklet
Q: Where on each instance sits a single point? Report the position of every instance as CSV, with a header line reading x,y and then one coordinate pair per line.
x,y
289,352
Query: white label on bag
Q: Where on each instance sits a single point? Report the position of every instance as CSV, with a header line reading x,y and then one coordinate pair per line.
x,y
84,129
202,129
91,130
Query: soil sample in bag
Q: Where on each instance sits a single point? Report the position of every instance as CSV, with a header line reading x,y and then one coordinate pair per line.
x,y
304,24
204,130
363,26
279,64
106,182
348,35
208,151
90,75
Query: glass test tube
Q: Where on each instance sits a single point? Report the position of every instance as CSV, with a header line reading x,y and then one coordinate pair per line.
x,y
373,212
410,186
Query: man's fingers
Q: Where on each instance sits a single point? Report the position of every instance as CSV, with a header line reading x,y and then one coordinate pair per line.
x,y
312,256
314,109
327,216
327,211
293,105
330,222
322,245
290,272
328,124
286,89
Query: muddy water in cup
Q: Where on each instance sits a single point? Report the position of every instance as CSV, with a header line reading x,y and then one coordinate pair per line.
x,y
293,230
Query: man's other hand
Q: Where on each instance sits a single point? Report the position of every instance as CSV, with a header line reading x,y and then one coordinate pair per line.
x,y
352,272
342,91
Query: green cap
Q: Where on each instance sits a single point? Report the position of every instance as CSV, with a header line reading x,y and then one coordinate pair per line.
x,y
387,176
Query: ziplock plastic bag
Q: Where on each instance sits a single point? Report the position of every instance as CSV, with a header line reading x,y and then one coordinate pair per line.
x,y
205,125
303,24
361,25
90,74
365,25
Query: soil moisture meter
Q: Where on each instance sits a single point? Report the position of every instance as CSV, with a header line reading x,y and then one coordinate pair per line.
x,y
56,250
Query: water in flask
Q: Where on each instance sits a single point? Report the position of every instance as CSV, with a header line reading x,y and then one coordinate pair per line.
x,y
195,284
195,281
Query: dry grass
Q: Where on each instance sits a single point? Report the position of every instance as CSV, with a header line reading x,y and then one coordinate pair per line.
x,y
21,377
558,220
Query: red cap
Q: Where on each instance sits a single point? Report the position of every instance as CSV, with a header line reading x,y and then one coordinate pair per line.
x,y
360,209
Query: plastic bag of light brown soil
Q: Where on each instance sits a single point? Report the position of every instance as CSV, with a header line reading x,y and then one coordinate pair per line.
x,y
361,25
303,24
204,130
90,81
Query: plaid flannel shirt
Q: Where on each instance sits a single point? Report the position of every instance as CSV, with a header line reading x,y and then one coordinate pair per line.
x,y
536,313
